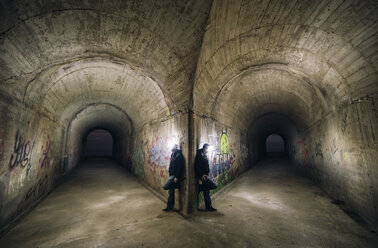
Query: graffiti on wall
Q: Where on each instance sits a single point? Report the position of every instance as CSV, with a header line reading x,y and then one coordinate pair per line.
x,y
21,155
305,153
318,150
225,145
45,159
180,137
221,160
138,160
159,157
334,148
346,156
16,183
56,148
38,189
244,151
344,120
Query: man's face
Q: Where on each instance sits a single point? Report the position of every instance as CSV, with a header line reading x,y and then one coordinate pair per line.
x,y
206,149
173,149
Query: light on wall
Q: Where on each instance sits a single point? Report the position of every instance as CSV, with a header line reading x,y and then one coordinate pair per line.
x,y
211,148
171,142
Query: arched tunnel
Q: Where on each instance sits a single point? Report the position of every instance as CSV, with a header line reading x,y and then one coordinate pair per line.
x,y
94,93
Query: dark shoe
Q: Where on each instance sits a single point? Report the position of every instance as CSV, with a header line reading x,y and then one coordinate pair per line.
x,y
211,209
167,209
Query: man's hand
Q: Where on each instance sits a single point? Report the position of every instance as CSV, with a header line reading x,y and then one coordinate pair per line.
x,y
175,180
203,178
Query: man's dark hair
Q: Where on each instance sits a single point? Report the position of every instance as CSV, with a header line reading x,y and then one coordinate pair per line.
x,y
205,146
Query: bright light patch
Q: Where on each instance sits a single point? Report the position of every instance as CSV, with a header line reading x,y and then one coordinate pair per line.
x,y
211,148
263,200
171,143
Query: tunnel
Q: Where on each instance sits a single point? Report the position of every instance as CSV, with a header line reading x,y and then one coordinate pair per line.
x,y
94,94
274,144
98,143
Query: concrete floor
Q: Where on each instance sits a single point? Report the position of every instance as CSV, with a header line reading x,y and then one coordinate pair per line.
x,y
102,205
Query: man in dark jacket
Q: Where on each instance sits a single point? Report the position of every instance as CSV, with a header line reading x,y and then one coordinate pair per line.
x,y
202,170
176,172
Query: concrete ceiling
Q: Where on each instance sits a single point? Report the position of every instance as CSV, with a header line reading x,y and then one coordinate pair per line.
x,y
292,57
244,59
61,55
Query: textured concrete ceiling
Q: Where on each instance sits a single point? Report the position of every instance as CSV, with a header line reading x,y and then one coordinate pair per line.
x,y
96,80
268,89
104,116
158,40
298,58
328,49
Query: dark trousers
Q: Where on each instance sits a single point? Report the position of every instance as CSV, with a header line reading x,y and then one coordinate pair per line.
x,y
171,197
206,196
206,186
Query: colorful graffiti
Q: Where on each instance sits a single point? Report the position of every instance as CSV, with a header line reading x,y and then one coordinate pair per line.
x,y
221,161
138,160
225,146
45,159
305,153
159,157
21,155
38,189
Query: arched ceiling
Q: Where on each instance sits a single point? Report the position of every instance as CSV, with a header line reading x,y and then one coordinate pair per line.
x,y
160,39
327,52
62,91
292,57
266,89
270,123
100,115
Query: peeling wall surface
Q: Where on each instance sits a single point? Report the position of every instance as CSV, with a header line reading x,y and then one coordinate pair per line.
x,y
227,73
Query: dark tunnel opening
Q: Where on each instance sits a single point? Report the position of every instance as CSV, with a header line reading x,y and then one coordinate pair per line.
x,y
272,135
274,145
98,143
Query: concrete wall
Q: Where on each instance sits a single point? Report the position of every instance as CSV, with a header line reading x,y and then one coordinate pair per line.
x,y
306,70
68,67
228,152
340,153
95,116
152,150
31,158
190,71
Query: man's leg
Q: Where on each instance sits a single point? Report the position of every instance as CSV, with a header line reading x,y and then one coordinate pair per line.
x,y
171,198
206,196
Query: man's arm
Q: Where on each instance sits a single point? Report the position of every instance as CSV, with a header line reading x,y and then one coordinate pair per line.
x,y
179,164
204,168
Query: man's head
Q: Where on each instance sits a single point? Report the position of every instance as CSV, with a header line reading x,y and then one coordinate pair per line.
x,y
174,147
205,148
